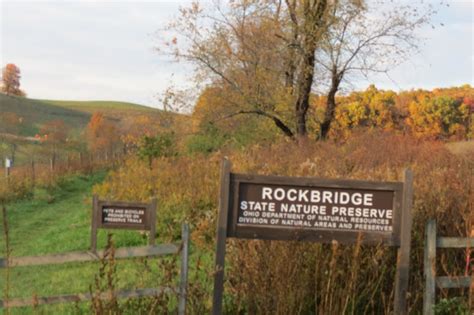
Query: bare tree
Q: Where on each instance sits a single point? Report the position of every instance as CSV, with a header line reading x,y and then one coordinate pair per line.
x,y
363,40
264,55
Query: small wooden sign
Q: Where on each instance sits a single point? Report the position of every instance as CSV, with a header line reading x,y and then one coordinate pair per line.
x,y
317,210
122,215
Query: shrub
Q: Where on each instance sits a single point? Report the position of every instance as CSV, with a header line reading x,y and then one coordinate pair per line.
x,y
271,277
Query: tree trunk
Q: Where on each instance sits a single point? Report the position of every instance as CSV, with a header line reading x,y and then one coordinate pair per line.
x,y
33,175
313,22
304,91
330,105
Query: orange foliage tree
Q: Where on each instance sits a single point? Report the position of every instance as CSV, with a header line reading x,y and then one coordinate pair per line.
x,y
102,135
54,135
11,80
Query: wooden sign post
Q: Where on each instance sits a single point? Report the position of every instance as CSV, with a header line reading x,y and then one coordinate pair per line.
x,y
317,210
122,215
8,165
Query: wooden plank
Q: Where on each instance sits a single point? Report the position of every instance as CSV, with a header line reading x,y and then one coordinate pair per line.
x,y
221,238
183,285
429,298
127,252
123,294
403,255
455,242
398,206
453,282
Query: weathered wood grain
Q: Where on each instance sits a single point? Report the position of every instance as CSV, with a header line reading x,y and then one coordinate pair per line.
x,y
183,284
453,282
221,238
454,242
430,268
127,252
403,257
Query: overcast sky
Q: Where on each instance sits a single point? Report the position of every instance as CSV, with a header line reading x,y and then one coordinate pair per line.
x,y
104,50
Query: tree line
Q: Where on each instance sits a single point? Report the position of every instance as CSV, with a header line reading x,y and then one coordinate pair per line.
x,y
440,114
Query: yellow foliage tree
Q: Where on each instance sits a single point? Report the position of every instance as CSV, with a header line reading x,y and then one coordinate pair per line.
x,y
438,117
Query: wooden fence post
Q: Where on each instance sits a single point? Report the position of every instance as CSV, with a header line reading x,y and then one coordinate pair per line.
x,y
403,255
183,285
152,210
7,165
221,239
430,268
33,175
52,162
95,211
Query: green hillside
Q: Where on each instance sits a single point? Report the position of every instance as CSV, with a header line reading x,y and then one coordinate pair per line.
x,y
92,106
37,112
76,114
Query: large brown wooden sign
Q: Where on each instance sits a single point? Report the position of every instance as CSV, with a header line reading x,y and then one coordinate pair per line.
x,y
318,210
122,215
286,208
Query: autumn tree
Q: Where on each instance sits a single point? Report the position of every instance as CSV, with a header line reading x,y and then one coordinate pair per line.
x,y
53,134
372,108
11,80
134,127
247,49
152,147
10,124
439,117
102,135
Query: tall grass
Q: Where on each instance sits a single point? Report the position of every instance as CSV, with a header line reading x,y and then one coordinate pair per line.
x,y
23,179
6,234
272,277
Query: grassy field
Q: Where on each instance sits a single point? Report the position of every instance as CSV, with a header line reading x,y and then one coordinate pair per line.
x,y
36,112
76,114
58,220
92,106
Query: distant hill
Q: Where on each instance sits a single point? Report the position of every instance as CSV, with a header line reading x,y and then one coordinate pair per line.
x,y
76,114
104,106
